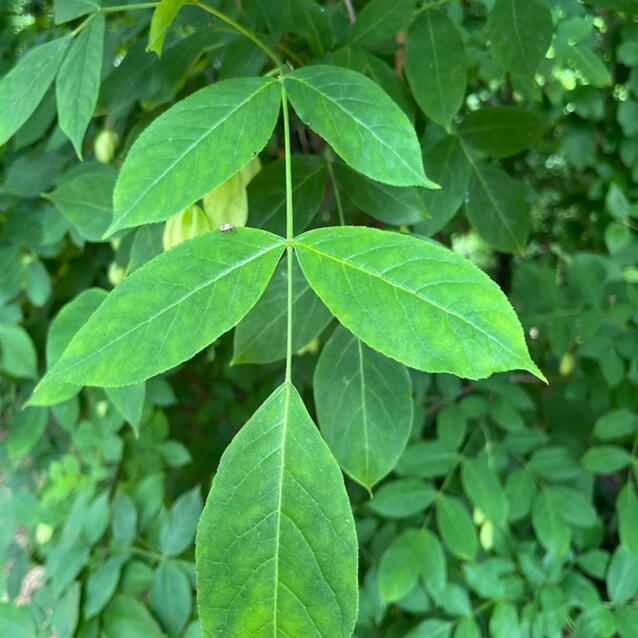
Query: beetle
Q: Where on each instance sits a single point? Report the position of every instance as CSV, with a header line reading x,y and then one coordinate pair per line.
x,y
227,228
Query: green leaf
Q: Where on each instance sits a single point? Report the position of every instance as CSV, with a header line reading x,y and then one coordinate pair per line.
x,y
467,628
456,527
622,576
25,431
616,424
22,88
550,525
521,32
66,613
414,301
428,459
66,10
97,519
129,401
412,555
484,489
261,335
124,519
380,20
171,598
402,498
267,193
310,20
605,459
17,352
194,147
286,562
170,308
178,532
64,563
627,6
163,17
86,200
364,407
594,563
390,204
78,82
589,65
436,66
520,490
126,617
101,584
627,508
574,507
361,123
431,628
16,621
626,620
501,131
503,620
496,208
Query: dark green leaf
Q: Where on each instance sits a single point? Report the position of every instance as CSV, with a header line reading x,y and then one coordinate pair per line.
x,y
126,617
129,401
25,431
124,519
550,525
622,576
178,532
65,10
483,488
627,508
171,598
605,459
616,424
456,528
17,352
100,585
402,498
380,20
310,20
428,459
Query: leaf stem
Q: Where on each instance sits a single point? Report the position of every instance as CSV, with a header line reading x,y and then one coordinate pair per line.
x,y
129,7
335,188
245,32
289,228
432,5
81,26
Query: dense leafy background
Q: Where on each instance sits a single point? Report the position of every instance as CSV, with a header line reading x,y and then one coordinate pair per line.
x,y
513,510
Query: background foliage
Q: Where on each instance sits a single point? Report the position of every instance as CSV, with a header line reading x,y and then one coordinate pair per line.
x,y
513,510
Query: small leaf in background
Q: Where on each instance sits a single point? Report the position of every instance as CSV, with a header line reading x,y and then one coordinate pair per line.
x,y
171,598
78,81
101,584
25,431
97,519
431,628
574,506
402,498
467,628
496,208
129,401
66,10
260,337
361,123
504,620
484,489
126,617
589,65
501,131
147,324
627,508
188,223
390,204
427,459
616,424
38,283
380,20
364,407
520,32
163,16
605,459
286,561
267,193
124,519
18,357
178,532
66,613
18,97
311,21
622,576
456,527
16,621
414,301
550,525
436,66
85,199
520,490
227,124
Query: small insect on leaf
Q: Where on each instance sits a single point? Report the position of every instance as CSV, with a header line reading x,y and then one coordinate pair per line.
x,y
227,228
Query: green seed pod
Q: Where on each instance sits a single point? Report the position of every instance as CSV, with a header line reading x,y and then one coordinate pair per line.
x,y
566,364
104,146
187,224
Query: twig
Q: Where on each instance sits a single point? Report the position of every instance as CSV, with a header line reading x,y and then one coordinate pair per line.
x,y
352,16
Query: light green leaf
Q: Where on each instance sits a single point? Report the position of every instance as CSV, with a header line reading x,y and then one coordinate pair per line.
x,y
171,598
16,621
126,617
194,147
467,628
170,308
361,123
380,20
97,519
589,65
521,32
622,576
390,204
64,563
605,459
78,82
22,88
129,401
501,131
163,16
364,407
504,620
436,66
550,525
25,431
17,352
285,562
414,301
402,498
616,424
484,489
627,508
124,519
66,613
520,490
427,459
456,527
86,200
267,193
594,563
178,532
574,507
431,628
100,585
496,208
65,10
261,335
626,618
